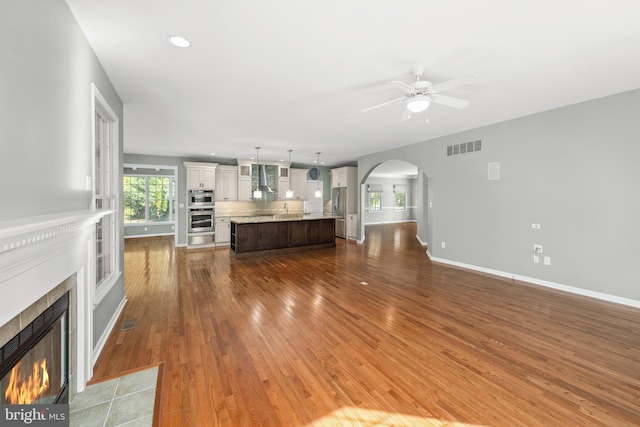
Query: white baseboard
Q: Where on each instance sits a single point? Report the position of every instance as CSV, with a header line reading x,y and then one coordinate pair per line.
x,y
539,282
107,331
390,222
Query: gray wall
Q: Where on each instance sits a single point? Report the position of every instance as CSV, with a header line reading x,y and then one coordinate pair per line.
x,y
46,71
573,170
389,213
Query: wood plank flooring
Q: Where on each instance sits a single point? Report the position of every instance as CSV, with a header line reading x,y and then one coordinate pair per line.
x,y
300,339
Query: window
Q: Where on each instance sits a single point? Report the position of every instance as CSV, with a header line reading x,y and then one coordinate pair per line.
x,y
148,199
375,197
401,201
400,194
375,201
105,190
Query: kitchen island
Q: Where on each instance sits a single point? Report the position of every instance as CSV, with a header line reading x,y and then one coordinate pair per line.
x,y
251,236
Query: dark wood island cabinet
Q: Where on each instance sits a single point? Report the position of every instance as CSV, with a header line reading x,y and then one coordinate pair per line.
x,y
264,236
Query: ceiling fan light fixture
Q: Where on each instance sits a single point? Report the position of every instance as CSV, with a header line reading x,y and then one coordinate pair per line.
x,y
418,103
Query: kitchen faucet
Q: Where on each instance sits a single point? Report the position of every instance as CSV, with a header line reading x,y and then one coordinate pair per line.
x,y
286,208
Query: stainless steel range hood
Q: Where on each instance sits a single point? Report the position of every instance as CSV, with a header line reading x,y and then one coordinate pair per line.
x,y
262,179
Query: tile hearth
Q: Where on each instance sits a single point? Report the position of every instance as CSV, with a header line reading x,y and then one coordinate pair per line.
x,y
123,401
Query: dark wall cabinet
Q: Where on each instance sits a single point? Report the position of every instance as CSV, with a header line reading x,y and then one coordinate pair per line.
x,y
265,237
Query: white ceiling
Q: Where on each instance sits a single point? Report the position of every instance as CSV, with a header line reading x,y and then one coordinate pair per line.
x,y
292,74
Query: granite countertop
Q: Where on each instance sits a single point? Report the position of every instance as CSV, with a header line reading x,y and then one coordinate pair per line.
x,y
278,218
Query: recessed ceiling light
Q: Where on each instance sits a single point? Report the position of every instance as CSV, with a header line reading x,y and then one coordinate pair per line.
x,y
179,41
213,154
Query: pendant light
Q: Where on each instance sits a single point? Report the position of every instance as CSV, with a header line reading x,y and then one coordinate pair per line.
x,y
289,193
257,194
318,192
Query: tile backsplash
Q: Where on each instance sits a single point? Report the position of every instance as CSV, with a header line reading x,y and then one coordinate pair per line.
x,y
251,208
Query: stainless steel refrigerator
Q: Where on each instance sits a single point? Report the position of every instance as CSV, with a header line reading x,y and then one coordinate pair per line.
x,y
339,209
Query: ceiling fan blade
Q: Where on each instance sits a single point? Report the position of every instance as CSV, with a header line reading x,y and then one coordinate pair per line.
x,y
403,86
406,115
449,101
382,105
440,87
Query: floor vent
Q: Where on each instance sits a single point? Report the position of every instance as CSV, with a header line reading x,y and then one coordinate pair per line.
x,y
464,147
129,324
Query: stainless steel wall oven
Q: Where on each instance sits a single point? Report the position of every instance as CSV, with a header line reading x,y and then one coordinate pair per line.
x,y
201,219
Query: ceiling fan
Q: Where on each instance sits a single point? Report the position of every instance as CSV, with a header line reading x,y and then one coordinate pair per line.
x,y
420,93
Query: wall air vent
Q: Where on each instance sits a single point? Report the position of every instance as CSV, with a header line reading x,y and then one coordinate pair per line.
x,y
464,147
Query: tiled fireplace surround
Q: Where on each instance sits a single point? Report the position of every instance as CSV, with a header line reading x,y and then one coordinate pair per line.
x,y
41,258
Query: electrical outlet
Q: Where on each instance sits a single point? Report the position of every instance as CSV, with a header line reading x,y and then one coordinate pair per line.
x,y
547,260
443,245
537,249
535,226
536,259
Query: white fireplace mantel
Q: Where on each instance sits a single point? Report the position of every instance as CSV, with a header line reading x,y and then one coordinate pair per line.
x,y
37,253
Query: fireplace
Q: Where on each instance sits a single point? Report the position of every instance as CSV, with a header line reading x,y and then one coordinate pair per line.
x,y
42,258
34,365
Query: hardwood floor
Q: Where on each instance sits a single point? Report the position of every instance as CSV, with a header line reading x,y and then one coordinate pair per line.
x,y
371,334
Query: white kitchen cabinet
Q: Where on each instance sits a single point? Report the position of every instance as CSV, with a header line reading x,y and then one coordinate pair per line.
x,y
344,177
226,183
244,181
298,183
223,231
352,226
338,178
244,189
283,186
201,175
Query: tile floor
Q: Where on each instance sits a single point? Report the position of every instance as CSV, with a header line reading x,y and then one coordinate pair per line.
x,y
123,401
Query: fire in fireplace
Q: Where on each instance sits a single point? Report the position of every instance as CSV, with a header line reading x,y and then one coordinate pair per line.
x,y
34,366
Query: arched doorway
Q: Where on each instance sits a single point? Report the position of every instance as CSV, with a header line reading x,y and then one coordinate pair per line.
x,y
395,191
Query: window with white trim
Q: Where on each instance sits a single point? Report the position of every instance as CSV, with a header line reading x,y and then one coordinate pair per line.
x,y
375,201
148,199
105,195
375,197
400,195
